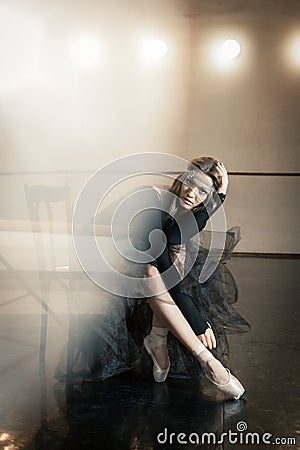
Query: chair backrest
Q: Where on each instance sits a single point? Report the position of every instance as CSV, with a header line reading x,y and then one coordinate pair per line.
x,y
47,196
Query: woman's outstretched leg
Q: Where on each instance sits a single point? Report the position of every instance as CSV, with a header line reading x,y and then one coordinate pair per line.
x,y
167,313
156,322
175,321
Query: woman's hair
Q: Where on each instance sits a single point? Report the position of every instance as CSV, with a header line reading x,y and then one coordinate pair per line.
x,y
207,165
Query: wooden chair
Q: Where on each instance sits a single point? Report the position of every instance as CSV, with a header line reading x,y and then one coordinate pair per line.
x,y
48,197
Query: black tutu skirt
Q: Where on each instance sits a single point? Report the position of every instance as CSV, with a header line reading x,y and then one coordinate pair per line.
x,y
108,344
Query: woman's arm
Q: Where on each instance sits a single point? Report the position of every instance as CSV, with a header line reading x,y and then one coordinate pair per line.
x,y
223,177
180,235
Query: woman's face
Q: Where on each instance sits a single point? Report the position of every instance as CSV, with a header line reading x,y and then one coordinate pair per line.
x,y
194,190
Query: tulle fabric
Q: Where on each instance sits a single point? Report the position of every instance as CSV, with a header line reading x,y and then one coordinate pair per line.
x,y
111,343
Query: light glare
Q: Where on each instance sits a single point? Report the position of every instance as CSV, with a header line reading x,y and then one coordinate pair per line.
x,y
296,51
222,54
4,437
230,49
154,49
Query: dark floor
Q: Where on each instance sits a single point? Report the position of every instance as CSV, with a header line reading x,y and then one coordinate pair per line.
x,y
130,411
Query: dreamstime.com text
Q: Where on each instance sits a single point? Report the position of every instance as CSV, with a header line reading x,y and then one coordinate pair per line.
x,y
241,436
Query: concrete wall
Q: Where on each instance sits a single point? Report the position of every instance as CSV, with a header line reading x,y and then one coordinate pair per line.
x,y
61,117
55,117
248,114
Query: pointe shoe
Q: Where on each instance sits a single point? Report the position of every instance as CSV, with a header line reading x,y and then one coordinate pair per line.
x,y
159,374
233,387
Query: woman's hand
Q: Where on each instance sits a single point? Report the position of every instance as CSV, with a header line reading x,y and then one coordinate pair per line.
x,y
208,338
222,174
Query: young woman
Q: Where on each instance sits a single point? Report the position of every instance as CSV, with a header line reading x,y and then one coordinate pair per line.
x,y
174,310
180,320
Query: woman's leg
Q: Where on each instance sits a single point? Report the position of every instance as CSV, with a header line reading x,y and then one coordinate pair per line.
x,y
172,318
167,313
175,321
156,322
158,334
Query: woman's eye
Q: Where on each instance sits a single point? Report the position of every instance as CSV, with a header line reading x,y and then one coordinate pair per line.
x,y
202,191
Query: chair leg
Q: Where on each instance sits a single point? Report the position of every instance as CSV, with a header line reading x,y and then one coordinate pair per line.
x,y
43,338
70,349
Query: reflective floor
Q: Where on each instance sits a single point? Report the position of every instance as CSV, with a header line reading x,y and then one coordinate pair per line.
x,y
130,411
